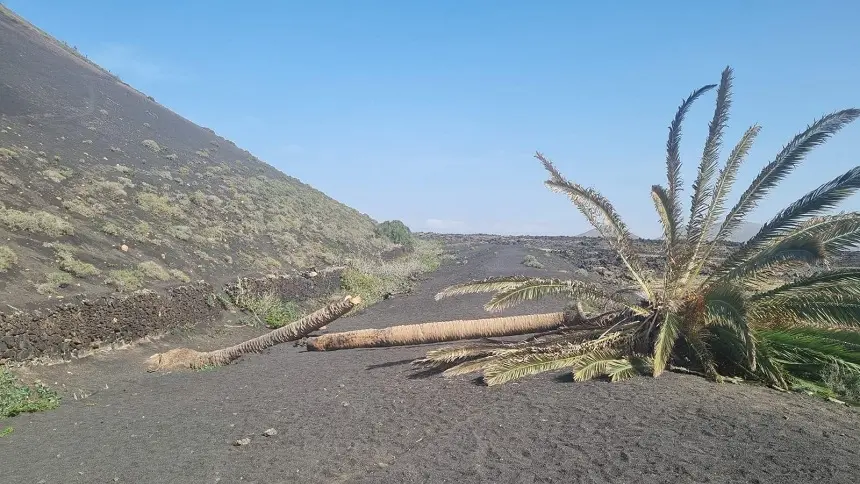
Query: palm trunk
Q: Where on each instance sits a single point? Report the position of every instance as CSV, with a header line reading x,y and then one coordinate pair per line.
x,y
438,332
187,358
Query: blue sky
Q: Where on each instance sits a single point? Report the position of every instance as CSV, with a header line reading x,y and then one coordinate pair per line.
x,y
430,111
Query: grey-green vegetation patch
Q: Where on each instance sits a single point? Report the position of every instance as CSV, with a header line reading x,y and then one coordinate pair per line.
x,y
111,228
38,222
181,232
270,309
531,261
6,154
372,279
151,145
125,279
56,176
83,208
134,279
153,270
69,263
158,205
6,431
17,398
8,258
179,275
53,281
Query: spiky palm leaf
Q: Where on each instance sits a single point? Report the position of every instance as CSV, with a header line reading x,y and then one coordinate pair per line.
x,y
702,189
535,289
669,201
788,158
490,284
725,182
602,216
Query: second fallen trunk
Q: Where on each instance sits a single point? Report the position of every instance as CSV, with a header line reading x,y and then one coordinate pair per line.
x,y
438,332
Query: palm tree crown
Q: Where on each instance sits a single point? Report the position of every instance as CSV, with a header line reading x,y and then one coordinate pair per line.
x,y
739,319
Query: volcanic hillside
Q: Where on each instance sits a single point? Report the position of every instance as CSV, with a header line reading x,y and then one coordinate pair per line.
x,y
102,188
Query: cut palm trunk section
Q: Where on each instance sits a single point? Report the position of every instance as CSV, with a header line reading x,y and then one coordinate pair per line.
x,y
188,358
438,332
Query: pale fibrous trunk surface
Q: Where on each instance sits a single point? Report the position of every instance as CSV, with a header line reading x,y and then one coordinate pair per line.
x,y
438,332
188,358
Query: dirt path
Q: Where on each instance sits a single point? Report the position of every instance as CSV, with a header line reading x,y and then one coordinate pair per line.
x,y
364,416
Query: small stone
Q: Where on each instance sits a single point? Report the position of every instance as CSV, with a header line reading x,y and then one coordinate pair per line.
x,y
241,442
345,404
270,432
123,248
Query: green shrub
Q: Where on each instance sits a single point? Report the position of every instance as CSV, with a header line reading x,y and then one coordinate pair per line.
x,y
17,398
111,228
272,310
151,145
158,205
179,275
360,283
78,206
75,267
53,280
153,270
395,231
35,222
8,258
125,279
531,261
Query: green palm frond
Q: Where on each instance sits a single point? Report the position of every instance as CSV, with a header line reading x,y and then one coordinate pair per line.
x,y
602,216
510,367
787,159
793,251
664,211
599,363
539,288
472,366
490,284
666,338
815,240
702,189
531,364
696,340
458,353
769,369
673,156
725,305
837,283
825,299
826,312
635,365
792,217
806,352
836,232
725,182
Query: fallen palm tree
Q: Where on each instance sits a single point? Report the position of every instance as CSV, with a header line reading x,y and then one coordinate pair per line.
x,y
438,332
187,358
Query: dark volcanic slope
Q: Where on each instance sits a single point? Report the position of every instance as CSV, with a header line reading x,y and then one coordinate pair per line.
x,y
88,164
363,416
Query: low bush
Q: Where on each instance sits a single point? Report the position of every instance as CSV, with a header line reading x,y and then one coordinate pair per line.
x,y
17,398
531,261
8,258
395,231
